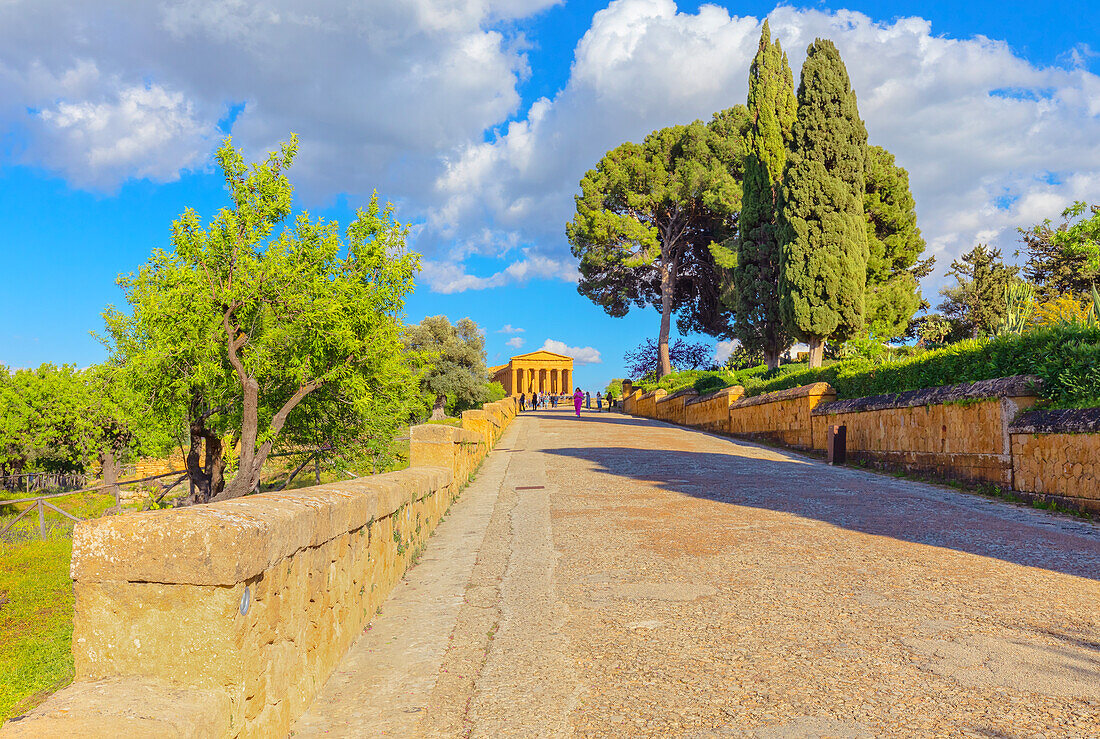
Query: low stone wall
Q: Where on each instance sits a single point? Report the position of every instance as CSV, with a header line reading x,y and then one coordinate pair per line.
x,y
956,431
630,402
229,617
712,412
1056,455
670,408
646,405
783,416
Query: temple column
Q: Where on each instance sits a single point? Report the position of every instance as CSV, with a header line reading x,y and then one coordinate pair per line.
x,y
555,382
514,390
567,380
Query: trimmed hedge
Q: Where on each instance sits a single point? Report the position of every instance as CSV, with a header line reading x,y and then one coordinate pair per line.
x,y
1067,358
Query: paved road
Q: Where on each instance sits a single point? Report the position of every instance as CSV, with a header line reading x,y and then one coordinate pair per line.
x,y
612,576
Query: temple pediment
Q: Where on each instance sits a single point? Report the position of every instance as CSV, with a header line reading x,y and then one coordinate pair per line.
x,y
543,355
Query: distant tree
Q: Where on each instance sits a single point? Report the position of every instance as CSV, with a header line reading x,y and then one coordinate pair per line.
x,y
250,337
646,217
823,271
1065,259
933,329
976,303
895,245
646,358
454,362
755,269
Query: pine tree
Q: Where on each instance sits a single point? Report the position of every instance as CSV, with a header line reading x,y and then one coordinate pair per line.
x,y
823,267
976,305
772,107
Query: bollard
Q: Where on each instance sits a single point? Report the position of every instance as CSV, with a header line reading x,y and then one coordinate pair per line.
x,y
837,444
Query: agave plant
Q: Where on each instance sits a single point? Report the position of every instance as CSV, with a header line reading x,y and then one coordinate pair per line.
x,y
1019,302
1094,311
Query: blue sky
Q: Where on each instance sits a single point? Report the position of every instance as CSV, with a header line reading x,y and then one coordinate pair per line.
x,y
477,118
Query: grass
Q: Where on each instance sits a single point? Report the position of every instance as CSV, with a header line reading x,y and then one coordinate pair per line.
x,y
36,621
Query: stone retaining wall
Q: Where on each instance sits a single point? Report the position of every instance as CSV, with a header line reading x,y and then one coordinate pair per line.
x,y
956,431
1056,454
646,405
229,617
712,412
671,407
783,416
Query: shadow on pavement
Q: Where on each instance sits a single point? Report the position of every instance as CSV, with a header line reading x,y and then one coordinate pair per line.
x,y
853,499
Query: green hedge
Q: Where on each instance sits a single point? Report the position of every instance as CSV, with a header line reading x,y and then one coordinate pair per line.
x,y
1067,359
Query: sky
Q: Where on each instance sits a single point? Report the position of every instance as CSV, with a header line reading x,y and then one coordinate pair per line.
x,y
477,119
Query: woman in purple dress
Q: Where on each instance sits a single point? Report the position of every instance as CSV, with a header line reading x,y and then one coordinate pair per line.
x,y
578,398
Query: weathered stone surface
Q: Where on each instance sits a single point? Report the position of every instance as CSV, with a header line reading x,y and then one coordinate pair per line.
x,y
126,707
784,416
1065,466
1002,387
712,412
1060,421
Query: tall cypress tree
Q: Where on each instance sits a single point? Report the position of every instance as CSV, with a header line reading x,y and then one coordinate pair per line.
x,y
823,268
772,107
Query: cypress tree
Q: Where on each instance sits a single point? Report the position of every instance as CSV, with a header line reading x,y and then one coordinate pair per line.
x,y
823,267
772,108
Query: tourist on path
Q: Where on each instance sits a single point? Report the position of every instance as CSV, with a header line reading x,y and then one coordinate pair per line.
x,y
599,402
588,401
523,401
578,397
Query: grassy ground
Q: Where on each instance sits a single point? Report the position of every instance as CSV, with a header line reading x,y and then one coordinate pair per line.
x,y
36,621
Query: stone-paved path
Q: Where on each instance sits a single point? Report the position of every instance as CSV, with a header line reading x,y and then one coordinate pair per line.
x,y
612,576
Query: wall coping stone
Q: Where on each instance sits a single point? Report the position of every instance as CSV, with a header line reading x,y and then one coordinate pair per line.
x,y
651,393
1001,387
679,394
248,534
1060,421
802,391
725,391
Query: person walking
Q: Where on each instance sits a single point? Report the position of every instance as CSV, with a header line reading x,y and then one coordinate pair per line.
x,y
588,401
599,402
523,401
578,398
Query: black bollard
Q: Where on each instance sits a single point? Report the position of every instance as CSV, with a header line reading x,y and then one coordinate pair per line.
x,y
837,444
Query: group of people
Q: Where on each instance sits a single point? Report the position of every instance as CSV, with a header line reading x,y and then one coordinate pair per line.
x,y
534,401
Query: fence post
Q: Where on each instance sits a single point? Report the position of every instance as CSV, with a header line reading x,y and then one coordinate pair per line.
x,y
41,519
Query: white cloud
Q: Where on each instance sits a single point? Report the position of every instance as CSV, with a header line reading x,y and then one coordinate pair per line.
x,y
451,277
724,350
401,95
509,329
580,354
515,341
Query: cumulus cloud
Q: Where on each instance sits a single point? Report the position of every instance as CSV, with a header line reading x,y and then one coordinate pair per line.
x,y
723,350
580,354
991,141
515,341
420,99
509,329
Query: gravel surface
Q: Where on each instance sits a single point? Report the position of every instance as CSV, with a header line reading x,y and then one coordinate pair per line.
x,y
639,579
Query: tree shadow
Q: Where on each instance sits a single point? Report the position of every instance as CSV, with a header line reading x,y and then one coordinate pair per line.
x,y
855,499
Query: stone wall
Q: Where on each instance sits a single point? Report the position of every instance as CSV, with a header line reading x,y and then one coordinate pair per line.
x,y
783,416
956,431
646,405
229,617
1056,455
671,407
712,412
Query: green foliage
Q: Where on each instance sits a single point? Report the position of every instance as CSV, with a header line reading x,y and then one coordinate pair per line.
x,y
894,266
1066,358
1019,304
60,419
494,391
453,359
266,336
1065,259
647,215
933,329
823,228
755,270
976,305
614,389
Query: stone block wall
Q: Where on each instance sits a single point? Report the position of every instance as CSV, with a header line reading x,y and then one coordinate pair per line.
x,y
783,416
231,616
630,402
646,405
671,407
712,412
1056,455
956,431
